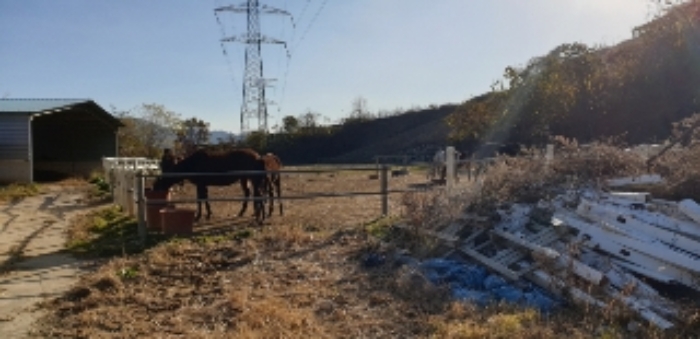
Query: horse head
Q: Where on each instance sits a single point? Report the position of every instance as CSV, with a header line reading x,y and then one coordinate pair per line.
x,y
162,184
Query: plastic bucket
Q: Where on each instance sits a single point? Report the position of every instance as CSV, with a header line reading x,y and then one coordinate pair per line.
x,y
177,221
153,219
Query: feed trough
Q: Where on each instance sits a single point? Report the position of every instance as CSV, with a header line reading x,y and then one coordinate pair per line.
x,y
177,221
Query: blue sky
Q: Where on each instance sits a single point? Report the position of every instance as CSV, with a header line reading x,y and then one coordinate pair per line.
x,y
393,53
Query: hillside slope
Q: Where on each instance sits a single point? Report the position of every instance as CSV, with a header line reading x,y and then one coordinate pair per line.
x,y
632,91
417,142
417,132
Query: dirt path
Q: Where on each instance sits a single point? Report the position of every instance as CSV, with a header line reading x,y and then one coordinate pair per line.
x,y
32,264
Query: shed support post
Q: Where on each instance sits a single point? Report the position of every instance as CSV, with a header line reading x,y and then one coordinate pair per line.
x,y
384,189
141,208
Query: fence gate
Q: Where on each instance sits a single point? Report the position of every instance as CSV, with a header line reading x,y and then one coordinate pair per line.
x,y
120,174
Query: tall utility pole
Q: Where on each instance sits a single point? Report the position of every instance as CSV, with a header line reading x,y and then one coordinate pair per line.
x,y
254,104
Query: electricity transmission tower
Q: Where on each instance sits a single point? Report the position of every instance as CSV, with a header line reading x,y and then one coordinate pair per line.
x,y
254,104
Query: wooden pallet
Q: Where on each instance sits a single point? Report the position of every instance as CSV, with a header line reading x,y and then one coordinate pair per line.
x,y
502,261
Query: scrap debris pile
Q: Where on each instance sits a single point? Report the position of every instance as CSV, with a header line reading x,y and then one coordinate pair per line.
x,y
587,246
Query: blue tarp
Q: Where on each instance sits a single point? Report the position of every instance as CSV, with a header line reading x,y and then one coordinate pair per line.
x,y
475,284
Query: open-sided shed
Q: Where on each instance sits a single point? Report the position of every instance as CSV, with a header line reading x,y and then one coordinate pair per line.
x,y
48,138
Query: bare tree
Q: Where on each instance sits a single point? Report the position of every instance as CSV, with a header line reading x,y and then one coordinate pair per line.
x,y
359,108
191,134
148,129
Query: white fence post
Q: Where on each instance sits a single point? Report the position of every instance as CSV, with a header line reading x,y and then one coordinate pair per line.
x,y
450,164
384,188
138,182
548,156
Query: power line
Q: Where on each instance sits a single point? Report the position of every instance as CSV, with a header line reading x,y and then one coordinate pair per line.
x,y
303,11
313,20
284,82
224,51
279,58
289,57
294,48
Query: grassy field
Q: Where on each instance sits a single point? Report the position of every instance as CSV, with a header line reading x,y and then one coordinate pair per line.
x,y
301,275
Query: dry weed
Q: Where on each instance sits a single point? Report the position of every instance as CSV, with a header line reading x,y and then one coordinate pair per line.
x,y
595,161
430,211
529,178
16,192
521,179
427,210
680,168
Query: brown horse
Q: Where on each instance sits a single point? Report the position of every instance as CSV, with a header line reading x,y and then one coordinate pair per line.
x,y
204,161
273,180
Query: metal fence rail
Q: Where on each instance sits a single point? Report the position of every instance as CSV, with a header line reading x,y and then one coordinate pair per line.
x,y
383,192
244,173
308,196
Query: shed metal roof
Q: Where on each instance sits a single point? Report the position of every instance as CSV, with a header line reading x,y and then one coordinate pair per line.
x,y
37,105
41,107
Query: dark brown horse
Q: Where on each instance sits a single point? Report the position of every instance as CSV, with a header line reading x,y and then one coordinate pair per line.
x,y
273,180
204,161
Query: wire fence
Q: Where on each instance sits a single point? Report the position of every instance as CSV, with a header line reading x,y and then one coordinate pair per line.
x,y
142,203
131,175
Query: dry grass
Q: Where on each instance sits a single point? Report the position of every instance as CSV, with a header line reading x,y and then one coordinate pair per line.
x,y
325,212
253,288
104,232
299,276
16,192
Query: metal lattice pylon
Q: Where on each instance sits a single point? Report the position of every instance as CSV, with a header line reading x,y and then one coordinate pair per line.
x,y
254,104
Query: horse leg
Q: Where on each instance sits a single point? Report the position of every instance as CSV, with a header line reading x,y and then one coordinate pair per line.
x,y
206,202
200,195
278,187
246,192
258,204
270,193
